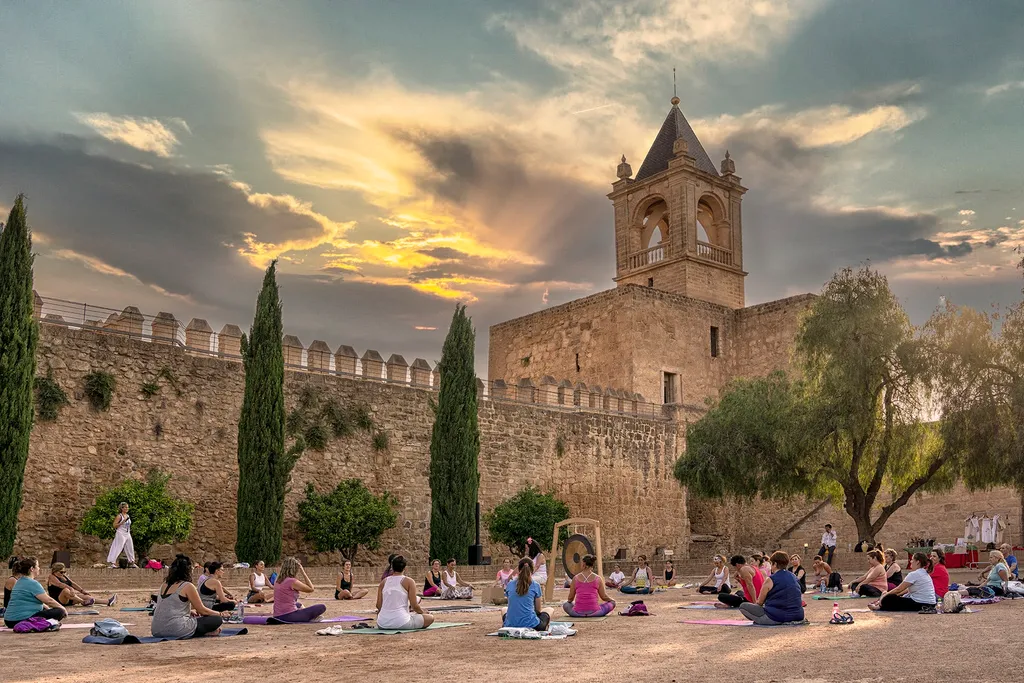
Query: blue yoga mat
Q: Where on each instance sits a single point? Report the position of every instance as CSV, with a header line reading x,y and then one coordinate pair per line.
x,y
145,640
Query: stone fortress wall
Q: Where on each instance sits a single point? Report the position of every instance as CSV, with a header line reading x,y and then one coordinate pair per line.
x,y
610,464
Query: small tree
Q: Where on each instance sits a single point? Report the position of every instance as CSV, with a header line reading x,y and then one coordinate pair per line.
x,y
346,518
455,446
264,466
853,428
19,335
157,516
529,513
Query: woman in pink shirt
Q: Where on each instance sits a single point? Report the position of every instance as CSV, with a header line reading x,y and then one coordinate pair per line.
x,y
286,594
939,573
587,597
873,582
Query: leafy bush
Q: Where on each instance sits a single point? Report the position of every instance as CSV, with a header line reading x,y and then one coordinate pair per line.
x,y
50,398
380,441
150,389
157,516
99,389
317,418
346,518
529,513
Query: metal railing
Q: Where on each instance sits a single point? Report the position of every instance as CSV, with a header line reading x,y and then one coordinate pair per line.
x,y
198,338
715,254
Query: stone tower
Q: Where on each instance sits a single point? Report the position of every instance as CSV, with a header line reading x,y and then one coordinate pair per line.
x,y
678,224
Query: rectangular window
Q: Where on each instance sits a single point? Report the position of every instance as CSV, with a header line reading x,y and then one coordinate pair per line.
x,y
669,388
650,282
714,342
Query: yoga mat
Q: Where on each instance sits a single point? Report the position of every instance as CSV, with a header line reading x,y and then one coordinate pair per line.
x,y
700,607
136,609
591,618
62,627
386,632
464,608
146,640
838,597
83,613
739,622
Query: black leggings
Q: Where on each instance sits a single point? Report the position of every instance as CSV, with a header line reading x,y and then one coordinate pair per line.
x,y
51,613
711,589
224,607
206,625
868,591
898,603
734,600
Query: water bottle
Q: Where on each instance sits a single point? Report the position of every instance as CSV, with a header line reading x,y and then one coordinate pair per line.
x,y
835,609
822,589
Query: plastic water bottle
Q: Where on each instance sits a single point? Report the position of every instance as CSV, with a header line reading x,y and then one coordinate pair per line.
x,y
835,609
822,589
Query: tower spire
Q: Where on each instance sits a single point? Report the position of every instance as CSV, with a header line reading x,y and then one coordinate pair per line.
x,y
675,97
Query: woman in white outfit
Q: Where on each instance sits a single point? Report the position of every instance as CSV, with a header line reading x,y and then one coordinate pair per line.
x,y
540,567
122,538
398,608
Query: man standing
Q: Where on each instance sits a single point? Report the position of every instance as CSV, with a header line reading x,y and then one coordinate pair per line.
x,y
828,544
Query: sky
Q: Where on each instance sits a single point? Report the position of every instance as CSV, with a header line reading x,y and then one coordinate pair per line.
x,y
400,157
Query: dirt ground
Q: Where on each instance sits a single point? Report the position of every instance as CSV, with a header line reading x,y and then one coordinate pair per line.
x,y
879,647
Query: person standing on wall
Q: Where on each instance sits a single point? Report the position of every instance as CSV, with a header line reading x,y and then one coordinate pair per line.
x,y
122,539
828,544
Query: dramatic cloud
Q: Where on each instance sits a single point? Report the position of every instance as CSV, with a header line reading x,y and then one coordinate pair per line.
x,y
142,133
1004,88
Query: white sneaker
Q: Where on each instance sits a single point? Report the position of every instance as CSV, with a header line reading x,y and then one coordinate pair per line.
x,y
330,631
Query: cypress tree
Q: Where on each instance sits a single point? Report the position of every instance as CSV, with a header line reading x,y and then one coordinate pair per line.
x,y
18,338
455,446
264,466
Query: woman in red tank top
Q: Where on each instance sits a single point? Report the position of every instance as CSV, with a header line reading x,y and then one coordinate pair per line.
x,y
748,578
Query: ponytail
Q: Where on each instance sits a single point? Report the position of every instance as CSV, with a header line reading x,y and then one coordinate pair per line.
x,y
525,576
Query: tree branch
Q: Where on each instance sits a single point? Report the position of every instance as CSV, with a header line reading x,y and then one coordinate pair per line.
x,y
886,450
895,505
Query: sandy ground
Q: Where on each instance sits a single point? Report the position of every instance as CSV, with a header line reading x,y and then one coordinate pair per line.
x,y
878,647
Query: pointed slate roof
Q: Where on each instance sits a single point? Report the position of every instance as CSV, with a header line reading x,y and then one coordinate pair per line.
x,y
675,126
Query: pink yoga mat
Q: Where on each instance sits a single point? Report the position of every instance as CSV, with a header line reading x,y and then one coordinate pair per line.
x,y
263,620
62,627
719,622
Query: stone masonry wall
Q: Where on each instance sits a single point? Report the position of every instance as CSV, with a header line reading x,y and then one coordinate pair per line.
x,y
613,468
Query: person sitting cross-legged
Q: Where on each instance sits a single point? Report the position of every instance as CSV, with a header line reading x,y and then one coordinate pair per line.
x,y
873,582
749,579
642,581
587,597
398,606
718,579
779,600
29,598
525,608
915,594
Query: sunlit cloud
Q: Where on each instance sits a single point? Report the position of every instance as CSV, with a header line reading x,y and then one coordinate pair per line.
x,y
141,132
966,212
1003,88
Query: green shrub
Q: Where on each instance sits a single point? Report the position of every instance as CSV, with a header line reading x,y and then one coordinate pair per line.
x,y
50,398
99,389
346,518
527,514
150,389
316,437
380,440
157,516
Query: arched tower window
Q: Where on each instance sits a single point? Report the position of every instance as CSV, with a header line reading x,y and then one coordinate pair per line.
x,y
712,226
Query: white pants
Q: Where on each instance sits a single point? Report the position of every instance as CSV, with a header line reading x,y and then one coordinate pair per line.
x,y
122,541
415,621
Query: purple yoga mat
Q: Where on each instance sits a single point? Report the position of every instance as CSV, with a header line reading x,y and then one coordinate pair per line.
x,y
719,622
4,629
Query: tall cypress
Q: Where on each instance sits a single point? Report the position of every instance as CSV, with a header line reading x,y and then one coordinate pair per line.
x,y
455,446
263,464
19,335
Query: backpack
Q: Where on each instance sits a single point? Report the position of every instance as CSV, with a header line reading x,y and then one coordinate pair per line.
x,y
1014,589
636,608
108,628
36,625
835,581
981,592
952,604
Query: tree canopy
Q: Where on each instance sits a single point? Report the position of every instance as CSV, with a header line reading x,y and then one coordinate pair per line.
x,y
19,334
157,516
529,513
856,423
455,445
346,518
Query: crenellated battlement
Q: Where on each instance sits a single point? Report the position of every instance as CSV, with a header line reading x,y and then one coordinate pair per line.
x,y
198,338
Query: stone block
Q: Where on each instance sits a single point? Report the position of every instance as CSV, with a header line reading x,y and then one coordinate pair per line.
x,y
435,377
292,349
165,328
318,356
54,319
397,369
525,391
548,393
131,320
565,393
596,401
420,373
610,399
479,389
229,342
345,360
198,334
37,304
581,395
373,365
499,390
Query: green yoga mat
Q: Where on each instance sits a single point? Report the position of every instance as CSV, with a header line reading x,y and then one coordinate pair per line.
x,y
838,597
136,609
386,632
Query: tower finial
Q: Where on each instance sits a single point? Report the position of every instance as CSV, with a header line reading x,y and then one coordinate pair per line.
x,y
675,97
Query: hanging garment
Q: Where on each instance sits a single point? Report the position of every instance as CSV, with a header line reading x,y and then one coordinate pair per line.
x,y
988,532
972,529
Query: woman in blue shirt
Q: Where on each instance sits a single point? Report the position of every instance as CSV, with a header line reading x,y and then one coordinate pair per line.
x,y
29,598
525,608
780,600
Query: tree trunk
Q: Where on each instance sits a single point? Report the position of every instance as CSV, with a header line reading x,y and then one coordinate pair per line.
x,y
865,532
